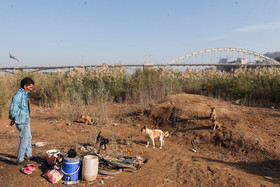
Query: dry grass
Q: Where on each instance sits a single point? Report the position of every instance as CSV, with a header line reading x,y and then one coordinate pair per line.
x,y
73,92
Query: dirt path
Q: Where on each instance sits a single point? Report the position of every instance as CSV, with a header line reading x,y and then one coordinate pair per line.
x,y
244,152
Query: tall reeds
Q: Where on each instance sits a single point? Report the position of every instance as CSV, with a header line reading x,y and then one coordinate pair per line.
x,y
144,87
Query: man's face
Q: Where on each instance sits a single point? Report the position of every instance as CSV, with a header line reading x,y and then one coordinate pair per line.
x,y
28,88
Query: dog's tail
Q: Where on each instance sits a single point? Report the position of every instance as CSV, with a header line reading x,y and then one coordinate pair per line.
x,y
166,134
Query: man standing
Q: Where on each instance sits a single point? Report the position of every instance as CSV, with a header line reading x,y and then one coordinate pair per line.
x,y
20,115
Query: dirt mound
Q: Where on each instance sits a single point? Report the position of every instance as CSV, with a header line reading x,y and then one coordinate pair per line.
x,y
187,116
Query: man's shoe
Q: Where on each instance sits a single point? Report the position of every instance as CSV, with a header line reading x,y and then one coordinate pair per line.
x,y
29,158
23,163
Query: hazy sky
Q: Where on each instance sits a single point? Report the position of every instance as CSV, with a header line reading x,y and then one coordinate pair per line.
x,y
74,32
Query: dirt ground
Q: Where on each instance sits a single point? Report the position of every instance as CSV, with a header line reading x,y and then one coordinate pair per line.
x,y
243,152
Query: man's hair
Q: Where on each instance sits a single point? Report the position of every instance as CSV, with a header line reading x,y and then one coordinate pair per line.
x,y
26,81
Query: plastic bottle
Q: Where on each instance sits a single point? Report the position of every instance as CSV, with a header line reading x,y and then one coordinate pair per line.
x,y
71,182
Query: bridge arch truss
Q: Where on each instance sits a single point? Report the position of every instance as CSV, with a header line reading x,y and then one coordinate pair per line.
x,y
244,51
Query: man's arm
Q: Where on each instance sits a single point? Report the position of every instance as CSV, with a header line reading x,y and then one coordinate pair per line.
x,y
15,107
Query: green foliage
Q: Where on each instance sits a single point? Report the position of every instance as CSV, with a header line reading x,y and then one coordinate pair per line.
x,y
250,85
143,86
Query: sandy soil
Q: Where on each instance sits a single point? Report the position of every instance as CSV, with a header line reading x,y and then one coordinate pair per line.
x,y
243,152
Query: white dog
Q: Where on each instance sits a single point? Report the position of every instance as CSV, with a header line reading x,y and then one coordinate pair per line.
x,y
154,134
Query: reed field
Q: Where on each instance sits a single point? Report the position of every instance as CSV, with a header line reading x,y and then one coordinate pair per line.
x,y
144,87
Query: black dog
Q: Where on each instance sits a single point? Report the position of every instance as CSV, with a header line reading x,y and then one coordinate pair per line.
x,y
102,142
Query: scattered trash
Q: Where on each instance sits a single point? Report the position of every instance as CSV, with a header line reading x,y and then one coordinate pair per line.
x,y
70,123
100,180
107,177
40,144
89,148
71,182
193,143
187,101
172,103
115,165
210,171
111,171
115,124
57,166
272,107
139,159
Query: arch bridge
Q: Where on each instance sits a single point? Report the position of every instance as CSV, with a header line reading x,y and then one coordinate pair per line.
x,y
267,60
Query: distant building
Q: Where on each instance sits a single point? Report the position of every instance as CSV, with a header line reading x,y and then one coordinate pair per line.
x,y
241,61
226,61
238,60
223,61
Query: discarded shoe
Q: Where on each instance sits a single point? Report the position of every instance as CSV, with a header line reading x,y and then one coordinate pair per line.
x,y
26,170
31,167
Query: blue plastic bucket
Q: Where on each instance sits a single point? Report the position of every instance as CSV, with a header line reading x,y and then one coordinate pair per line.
x,y
70,168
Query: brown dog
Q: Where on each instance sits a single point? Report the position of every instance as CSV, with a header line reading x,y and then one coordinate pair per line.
x,y
216,125
154,134
85,119
213,115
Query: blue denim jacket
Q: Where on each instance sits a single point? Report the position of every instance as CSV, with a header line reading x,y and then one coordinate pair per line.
x,y
19,110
